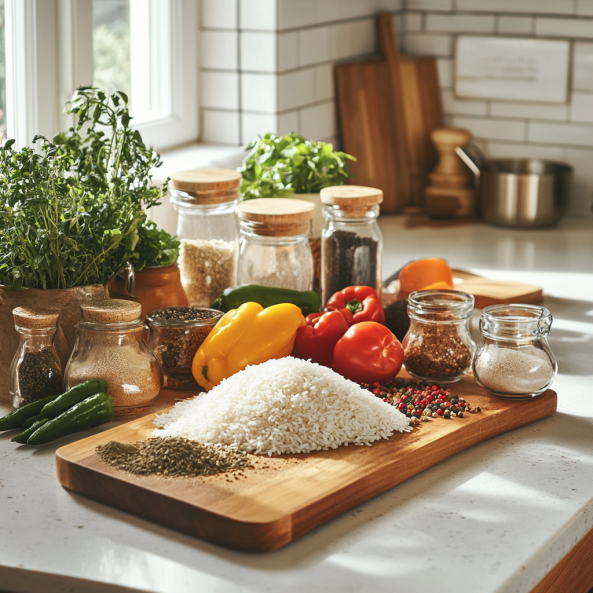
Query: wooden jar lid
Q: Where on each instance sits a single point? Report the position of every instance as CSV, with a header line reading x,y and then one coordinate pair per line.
x,y
35,318
352,199
110,310
277,217
208,186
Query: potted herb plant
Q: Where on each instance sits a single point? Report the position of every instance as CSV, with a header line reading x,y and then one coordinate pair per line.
x,y
282,166
72,209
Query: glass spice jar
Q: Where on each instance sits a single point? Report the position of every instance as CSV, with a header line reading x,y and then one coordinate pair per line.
x,y
275,248
206,201
351,242
176,333
36,371
110,346
515,359
438,347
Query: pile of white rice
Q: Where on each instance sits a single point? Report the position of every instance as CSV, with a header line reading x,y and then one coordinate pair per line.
x,y
283,406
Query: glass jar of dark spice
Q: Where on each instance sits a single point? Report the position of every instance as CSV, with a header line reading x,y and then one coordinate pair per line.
x,y
176,333
36,371
438,347
351,242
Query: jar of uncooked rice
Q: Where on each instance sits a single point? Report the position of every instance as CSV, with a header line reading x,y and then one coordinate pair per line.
x,y
275,248
110,346
438,347
206,201
176,333
515,359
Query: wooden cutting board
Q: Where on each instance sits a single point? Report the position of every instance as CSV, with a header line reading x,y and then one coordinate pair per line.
x,y
272,506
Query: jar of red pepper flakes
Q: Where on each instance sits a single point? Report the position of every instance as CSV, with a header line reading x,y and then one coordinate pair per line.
x,y
351,242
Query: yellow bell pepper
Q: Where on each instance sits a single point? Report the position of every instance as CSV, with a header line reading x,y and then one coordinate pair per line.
x,y
244,336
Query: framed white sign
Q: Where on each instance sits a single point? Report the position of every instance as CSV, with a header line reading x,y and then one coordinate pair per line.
x,y
516,69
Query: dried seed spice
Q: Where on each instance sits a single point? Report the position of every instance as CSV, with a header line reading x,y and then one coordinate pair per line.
x,y
173,456
39,375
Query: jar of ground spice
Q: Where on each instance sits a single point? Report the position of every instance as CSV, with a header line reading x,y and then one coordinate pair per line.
x,y
206,201
110,346
176,333
438,347
515,360
36,371
351,242
275,248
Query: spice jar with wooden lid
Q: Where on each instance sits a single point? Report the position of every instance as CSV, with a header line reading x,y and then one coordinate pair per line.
x,y
110,346
351,242
35,371
275,248
206,201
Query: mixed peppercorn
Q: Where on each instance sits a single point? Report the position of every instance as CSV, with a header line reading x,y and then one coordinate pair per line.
x,y
421,402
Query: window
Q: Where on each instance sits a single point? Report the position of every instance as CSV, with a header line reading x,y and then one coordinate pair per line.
x,y
147,48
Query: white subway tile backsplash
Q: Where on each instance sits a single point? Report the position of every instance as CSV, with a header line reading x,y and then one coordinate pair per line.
x,y
515,25
460,23
582,181
253,124
508,150
452,104
219,14
445,67
581,108
219,50
314,46
220,127
258,15
287,51
528,110
582,77
319,121
585,7
220,89
259,92
562,134
492,129
324,82
291,14
524,6
350,39
413,21
550,27
258,51
296,89
430,4
429,44
288,122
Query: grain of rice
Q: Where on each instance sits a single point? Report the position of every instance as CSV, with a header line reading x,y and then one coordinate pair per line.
x,y
283,406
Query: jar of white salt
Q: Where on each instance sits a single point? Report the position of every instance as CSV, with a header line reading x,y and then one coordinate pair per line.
x,y
205,201
515,360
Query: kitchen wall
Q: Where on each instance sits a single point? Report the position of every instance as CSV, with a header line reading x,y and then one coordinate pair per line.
x,y
267,66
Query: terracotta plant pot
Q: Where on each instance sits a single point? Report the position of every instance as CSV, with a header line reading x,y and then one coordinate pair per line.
x,y
155,288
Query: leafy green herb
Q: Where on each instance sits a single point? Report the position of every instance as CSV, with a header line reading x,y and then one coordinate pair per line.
x,y
281,166
71,212
155,247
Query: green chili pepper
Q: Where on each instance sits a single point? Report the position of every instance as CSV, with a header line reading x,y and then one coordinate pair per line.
x,y
16,418
93,411
308,301
23,437
73,396
30,421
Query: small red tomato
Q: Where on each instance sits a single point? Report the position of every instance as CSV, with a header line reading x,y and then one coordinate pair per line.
x,y
368,352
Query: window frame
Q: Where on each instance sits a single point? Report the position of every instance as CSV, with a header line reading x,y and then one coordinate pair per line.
x,y
49,53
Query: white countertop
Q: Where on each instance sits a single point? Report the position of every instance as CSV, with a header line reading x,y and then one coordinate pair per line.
x,y
494,518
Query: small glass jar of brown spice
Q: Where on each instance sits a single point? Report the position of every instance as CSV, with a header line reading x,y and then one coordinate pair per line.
x,y
438,346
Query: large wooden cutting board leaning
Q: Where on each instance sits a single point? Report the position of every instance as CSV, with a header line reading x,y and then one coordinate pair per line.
x,y
388,106
271,506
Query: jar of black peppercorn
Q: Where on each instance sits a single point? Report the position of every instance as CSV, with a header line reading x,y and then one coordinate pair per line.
x,y
36,371
351,242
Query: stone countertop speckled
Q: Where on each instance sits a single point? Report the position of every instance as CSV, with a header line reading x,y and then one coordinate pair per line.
x,y
494,518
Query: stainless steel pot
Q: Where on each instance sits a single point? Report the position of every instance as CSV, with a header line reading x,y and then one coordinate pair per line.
x,y
523,193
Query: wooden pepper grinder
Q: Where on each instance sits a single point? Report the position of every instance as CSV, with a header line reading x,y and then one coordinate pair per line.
x,y
451,193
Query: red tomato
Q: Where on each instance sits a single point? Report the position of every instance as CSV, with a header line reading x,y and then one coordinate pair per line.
x,y
368,352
